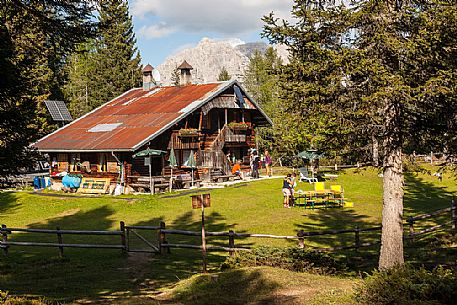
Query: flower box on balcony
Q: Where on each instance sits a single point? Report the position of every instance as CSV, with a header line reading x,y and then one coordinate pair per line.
x,y
238,126
188,133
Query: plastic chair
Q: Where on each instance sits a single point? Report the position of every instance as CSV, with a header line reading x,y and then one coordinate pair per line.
x,y
338,194
319,186
304,176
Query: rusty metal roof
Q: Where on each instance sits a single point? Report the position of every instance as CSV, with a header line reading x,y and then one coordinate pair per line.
x,y
130,120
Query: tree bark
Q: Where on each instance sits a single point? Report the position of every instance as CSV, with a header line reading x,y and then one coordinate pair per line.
x,y
375,151
392,211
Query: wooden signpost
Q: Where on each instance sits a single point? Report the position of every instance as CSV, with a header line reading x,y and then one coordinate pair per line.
x,y
202,201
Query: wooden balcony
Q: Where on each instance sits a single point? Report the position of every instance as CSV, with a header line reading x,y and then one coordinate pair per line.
x,y
236,135
235,138
181,141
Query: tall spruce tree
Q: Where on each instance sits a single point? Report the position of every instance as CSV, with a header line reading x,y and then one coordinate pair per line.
x,y
118,58
107,66
261,81
223,75
378,69
36,35
175,76
80,88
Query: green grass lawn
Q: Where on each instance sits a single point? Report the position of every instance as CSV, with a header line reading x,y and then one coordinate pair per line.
x,y
254,207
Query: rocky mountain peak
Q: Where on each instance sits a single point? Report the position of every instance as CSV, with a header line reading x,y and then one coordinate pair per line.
x,y
208,58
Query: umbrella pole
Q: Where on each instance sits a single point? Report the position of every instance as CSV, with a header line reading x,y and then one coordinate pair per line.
x,y
171,179
151,188
192,176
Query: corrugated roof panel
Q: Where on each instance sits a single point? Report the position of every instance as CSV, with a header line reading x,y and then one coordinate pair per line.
x,y
149,113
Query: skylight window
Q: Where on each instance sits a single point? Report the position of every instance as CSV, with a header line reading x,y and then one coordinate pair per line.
x,y
104,127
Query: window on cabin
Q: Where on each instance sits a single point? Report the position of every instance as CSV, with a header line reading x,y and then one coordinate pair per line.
x,y
106,163
75,162
184,157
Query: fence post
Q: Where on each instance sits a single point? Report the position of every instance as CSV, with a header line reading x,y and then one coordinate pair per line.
x,y
123,240
301,240
5,239
232,242
59,240
127,232
454,214
162,239
357,238
411,228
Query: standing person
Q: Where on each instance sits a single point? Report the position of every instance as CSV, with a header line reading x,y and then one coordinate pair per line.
x,y
268,163
255,165
293,185
286,187
251,162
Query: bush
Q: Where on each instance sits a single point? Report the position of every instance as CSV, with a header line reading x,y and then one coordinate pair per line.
x,y
406,286
6,299
294,259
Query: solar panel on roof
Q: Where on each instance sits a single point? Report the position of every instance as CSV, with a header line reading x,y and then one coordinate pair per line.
x,y
58,111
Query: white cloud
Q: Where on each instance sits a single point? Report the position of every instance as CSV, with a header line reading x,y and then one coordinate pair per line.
x,y
226,18
140,8
156,30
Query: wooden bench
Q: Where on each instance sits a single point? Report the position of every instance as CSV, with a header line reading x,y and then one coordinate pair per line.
x,y
222,178
160,184
185,181
158,187
161,187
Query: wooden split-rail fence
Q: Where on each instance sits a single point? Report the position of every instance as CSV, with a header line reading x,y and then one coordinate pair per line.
x,y
125,234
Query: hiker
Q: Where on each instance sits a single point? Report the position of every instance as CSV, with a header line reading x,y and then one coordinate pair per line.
x,y
286,190
267,159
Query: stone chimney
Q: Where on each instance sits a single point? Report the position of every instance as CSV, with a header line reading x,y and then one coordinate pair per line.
x,y
148,80
185,77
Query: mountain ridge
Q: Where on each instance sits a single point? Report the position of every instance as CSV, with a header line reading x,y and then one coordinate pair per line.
x,y
208,58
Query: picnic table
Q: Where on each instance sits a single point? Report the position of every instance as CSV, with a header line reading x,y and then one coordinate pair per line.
x,y
185,181
312,198
141,183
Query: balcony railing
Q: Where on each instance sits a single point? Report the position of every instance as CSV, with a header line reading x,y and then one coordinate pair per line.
x,y
235,137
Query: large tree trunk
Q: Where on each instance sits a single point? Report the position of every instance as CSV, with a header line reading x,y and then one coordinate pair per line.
x,y
375,151
392,211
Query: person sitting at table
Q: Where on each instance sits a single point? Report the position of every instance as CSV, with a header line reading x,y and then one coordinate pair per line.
x,y
286,190
236,169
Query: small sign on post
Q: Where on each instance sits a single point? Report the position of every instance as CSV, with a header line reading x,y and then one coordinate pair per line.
x,y
202,201
147,161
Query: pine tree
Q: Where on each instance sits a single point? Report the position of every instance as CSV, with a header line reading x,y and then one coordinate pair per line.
x,y
380,68
118,61
107,66
175,77
261,81
223,75
35,38
80,89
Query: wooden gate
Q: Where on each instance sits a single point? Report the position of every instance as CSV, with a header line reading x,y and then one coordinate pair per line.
x,y
149,244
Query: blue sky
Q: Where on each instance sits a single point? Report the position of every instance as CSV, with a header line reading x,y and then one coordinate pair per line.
x,y
164,27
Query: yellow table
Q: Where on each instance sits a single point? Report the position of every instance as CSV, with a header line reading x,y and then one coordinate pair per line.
x,y
314,197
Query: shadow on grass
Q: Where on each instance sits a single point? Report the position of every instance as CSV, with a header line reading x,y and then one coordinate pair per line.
x,y
236,287
422,196
8,202
334,219
98,274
